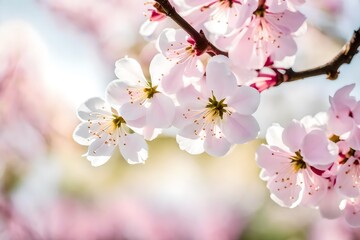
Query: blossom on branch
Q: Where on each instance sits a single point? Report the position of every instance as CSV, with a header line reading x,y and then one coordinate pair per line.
x,y
102,129
141,102
219,115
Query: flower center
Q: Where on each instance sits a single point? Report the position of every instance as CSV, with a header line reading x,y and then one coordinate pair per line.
x,y
260,11
150,91
297,162
117,121
346,156
218,108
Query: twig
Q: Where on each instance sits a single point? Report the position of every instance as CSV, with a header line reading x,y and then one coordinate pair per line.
x,y
201,43
331,69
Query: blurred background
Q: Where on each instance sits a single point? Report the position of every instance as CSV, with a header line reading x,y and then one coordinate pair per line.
x,y
55,54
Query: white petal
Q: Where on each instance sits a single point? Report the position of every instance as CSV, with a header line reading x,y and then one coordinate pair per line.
x,y
274,137
245,100
129,71
159,67
82,135
116,93
93,105
99,152
148,28
161,112
239,129
133,148
192,146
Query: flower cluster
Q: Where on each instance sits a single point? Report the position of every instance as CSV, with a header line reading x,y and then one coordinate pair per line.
x,y
208,98
208,92
315,161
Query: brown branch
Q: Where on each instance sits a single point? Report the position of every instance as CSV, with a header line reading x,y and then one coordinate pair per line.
x,y
201,43
331,69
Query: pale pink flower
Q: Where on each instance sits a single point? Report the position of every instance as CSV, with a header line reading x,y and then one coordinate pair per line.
x,y
218,116
269,34
344,116
102,129
220,16
140,101
186,67
292,161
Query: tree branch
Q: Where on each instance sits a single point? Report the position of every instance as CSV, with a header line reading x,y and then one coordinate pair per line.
x,y
201,43
331,69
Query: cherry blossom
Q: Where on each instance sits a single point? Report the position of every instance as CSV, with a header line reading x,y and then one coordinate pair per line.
x,y
220,115
220,16
102,129
292,163
344,116
140,101
269,34
186,68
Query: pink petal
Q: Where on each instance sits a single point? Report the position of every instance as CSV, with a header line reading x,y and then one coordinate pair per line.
x,y
314,188
245,100
348,179
352,212
132,111
189,131
284,188
239,129
329,205
354,138
216,147
161,112
219,78
272,159
317,150
293,135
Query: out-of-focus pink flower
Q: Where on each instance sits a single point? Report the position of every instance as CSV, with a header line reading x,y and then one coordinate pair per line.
x,y
24,119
